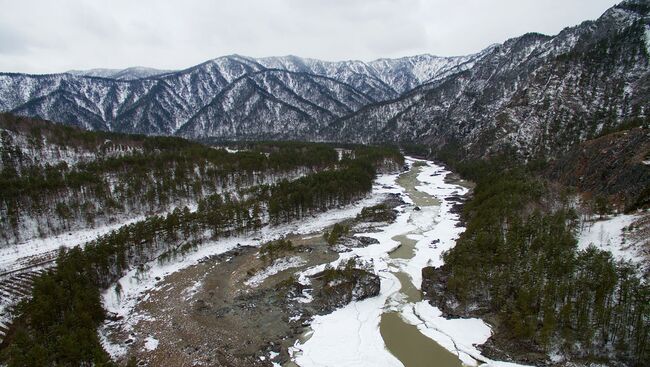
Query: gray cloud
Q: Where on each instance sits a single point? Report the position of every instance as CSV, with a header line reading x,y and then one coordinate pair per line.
x,y
50,36
11,42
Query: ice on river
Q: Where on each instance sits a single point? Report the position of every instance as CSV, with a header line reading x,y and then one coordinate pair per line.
x,y
135,285
350,336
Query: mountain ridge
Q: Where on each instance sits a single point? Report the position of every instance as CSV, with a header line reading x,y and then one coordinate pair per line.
x,y
533,95
606,53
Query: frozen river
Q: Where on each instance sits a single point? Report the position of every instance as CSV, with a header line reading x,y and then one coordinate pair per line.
x,y
398,328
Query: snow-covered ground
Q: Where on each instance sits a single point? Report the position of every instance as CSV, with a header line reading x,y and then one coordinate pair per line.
x,y
351,336
150,343
456,335
608,234
135,285
15,256
278,265
26,253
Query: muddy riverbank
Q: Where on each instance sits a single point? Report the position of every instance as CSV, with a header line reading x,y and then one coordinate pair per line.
x,y
334,295
385,330
245,308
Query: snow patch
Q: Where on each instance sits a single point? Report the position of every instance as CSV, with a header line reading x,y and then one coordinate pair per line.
x,y
278,266
647,38
17,256
457,335
350,335
608,235
113,349
189,292
150,343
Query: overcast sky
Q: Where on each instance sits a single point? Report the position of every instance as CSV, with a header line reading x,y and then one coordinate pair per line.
x,y
59,35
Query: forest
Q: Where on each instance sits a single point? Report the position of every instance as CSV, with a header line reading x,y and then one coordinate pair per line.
x,y
518,266
79,185
58,325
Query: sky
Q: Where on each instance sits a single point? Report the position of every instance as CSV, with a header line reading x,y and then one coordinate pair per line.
x,y
45,36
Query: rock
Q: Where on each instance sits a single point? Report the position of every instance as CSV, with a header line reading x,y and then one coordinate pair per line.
x,y
339,287
378,213
113,316
357,242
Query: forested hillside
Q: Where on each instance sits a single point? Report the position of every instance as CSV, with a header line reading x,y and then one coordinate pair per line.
x,y
58,324
57,178
518,264
533,96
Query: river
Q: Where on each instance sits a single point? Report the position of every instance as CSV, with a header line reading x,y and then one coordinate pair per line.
x,y
398,328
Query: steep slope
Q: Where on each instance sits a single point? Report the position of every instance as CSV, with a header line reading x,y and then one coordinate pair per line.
x,y
536,94
151,106
396,75
615,166
138,100
275,104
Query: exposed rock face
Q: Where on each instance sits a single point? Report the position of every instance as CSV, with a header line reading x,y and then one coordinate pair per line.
x,y
434,282
616,166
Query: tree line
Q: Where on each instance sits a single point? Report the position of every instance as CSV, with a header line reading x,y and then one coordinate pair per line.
x,y
518,263
58,326
157,173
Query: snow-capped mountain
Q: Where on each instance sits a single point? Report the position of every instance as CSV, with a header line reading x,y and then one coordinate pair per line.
x,y
534,94
228,96
401,74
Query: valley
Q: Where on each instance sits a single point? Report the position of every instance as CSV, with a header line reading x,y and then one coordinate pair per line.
x,y
286,270
231,300
491,209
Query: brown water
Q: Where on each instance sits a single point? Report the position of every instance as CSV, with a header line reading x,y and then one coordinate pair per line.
x,y
411,293
409,180
406,250
412,348
402,339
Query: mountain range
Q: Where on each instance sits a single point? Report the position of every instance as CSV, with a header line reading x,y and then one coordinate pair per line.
x,y
532,95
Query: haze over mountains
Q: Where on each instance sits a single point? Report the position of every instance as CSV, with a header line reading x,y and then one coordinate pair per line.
x,y
535,94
